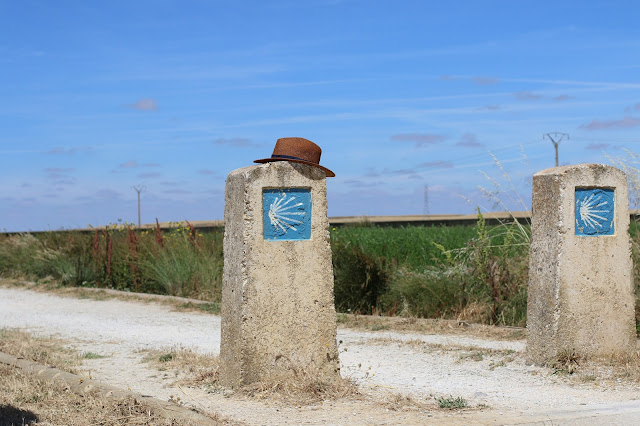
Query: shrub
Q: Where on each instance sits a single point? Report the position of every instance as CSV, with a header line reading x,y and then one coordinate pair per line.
x,y
359,278
433,293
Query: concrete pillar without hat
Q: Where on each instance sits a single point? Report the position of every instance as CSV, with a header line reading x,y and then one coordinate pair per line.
x,y
278,314
581,296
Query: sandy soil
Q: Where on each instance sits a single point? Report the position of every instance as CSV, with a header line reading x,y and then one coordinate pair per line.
x,y
491,375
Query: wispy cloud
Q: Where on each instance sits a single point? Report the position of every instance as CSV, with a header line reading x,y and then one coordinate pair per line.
x,y
401,171
146,104
598,146
60,176
436,165
107,194
58,170
188,73
419,138
469,140
561,98
361,183
206,172
485,81
527,96
149,175
623,123
236,142
133,164
479,80
371,172
129,165
631,108
59,150
602,84
489,108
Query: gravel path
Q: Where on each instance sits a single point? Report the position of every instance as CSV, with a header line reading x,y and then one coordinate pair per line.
x,y
418,365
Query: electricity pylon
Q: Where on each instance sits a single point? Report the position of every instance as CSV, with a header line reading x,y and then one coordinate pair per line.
x,y
555,138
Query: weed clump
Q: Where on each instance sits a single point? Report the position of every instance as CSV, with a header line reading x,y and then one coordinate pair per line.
x,y
451,403
566,362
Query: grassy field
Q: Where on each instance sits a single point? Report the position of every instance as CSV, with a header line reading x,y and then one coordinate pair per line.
x,y
469,273
476,274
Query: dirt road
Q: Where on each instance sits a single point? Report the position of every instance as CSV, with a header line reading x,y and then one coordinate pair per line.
x,y
490,374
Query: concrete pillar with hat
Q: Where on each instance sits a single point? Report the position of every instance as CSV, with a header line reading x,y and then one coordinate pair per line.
x,y
278,314
581,296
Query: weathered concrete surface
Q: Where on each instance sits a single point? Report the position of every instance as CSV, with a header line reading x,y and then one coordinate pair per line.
x,y
278,315
581,295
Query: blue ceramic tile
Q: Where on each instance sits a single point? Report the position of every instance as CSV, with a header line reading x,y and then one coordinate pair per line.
x,y
594,211
286,214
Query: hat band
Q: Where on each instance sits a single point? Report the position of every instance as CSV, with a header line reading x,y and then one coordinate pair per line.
x,y
288,157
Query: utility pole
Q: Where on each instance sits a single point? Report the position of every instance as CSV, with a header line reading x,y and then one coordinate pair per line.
x,y
139,189
426,200
556,138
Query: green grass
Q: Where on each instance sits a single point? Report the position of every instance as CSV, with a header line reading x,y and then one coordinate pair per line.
x,y
369,262
165,357
476,273
451,403
413,246
92,355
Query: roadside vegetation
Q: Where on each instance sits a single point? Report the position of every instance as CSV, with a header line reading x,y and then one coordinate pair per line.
x,y
466,273
473,274
178,262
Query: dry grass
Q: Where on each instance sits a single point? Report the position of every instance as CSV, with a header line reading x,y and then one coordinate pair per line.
x,y
27,399
197,370
189,367
496,357
397,402
425,325
608,370
302,391
24,399
50,352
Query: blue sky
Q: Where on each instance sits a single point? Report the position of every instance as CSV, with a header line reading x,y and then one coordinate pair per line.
x,y
96,97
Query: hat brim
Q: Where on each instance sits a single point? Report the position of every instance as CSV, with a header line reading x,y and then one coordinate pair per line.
x,y
328,172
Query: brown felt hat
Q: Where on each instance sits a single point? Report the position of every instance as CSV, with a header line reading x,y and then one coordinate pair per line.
x,y
298,150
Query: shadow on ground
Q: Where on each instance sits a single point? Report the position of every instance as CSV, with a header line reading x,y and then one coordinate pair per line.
x,y
13,416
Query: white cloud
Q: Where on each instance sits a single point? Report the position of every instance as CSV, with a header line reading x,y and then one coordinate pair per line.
x,y
146,104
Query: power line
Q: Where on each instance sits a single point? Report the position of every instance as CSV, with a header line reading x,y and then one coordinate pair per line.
x,y
556,138
139,189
